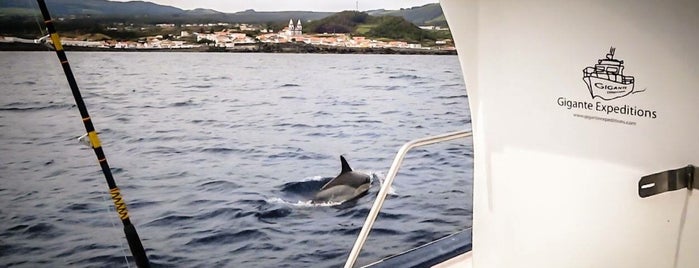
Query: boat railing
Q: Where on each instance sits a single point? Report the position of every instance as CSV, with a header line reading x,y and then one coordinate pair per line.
x,y
378,203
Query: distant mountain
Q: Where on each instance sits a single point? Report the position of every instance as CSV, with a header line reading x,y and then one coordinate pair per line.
x,y
252,16
430,14
18,18
91,7
148,12
203,11
152,13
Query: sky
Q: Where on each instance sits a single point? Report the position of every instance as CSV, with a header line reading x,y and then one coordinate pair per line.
x,y
231,6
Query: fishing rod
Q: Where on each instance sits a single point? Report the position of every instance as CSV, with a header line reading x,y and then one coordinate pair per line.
x,y
139,254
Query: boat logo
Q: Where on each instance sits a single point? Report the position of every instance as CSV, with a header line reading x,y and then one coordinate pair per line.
x,y
606,80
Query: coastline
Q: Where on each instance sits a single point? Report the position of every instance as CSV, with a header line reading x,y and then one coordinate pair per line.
x,y
243,48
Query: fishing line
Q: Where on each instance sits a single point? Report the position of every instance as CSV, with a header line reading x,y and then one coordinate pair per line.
x,y
36,17
121,242
44,34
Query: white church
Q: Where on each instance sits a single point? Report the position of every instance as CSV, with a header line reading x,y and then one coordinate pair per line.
x,y
292,30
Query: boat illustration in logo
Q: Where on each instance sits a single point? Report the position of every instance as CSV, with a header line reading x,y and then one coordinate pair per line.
x,y
607,80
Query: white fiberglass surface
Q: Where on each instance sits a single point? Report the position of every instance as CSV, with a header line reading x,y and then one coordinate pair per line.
x,y
560,145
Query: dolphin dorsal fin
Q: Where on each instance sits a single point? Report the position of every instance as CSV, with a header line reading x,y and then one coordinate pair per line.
x,y
345,166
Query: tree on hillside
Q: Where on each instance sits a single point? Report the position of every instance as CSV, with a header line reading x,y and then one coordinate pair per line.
x,y
343,22
398,28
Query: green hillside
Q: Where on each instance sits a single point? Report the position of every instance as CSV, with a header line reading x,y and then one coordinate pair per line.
x,y
17,11
342,22
361,23
430,14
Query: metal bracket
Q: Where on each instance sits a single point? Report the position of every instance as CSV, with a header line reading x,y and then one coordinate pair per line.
x,y
44,41
670,180
85,140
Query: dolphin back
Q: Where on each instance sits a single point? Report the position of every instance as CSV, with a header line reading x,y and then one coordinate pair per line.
x,y
341,193
347,177
353,179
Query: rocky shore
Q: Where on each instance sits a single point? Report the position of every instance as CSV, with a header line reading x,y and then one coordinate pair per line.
x,y
244,48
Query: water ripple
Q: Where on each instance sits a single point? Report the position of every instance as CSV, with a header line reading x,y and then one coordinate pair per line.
x,y
218,165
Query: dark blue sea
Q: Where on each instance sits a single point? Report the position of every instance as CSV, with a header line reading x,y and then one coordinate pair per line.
x,y
218,154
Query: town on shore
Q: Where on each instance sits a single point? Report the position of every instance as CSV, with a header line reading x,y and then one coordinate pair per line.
x,y
235,37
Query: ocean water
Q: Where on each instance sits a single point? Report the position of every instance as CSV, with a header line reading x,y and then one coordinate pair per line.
x,y
217,156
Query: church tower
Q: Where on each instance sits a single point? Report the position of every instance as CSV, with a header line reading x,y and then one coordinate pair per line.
x,y
290,31
298,28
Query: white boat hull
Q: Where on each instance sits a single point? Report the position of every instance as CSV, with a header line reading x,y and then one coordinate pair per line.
x,y
557,186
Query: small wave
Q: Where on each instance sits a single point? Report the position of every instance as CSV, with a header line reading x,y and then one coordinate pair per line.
x,y
363,121
453,85
290,85
204,122
301,203
123,119
436,221
227,213
292,98
18,227
258,246
104,260
24,83
219,184
163,150
385,231
349,103
25,108
219,150
183,103
250,105
292,125
452,97
273,214
419,237
353,231
78,207
42,230
158,260
170,220
199,86
229,100
18,249
138,203
333,126
404,76
297,155
217,78
227,238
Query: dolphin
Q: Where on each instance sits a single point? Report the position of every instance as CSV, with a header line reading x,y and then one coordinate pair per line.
x,y
347,186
